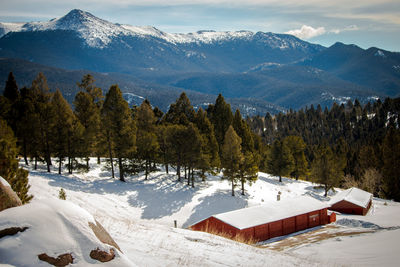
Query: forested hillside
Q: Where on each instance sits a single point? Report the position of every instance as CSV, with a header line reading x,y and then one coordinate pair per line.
x,y
347,145
362,141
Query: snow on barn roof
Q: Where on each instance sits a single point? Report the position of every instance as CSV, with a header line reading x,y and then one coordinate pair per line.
x,y
275,211
353,195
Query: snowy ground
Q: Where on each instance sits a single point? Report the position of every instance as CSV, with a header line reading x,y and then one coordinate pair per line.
x,y
140,216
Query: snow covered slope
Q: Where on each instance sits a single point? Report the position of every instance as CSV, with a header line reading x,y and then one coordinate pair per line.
x,y
54,227
140,216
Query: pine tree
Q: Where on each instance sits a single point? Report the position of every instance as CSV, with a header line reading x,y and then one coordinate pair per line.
x,y
66,131
28,130
326,169
232,157
42,107
221,117
62,126
9,170
147,141
280,160
175,139
119,128
391,163
180,112
11,91
210,156
297,147
88,115
243,130
248,169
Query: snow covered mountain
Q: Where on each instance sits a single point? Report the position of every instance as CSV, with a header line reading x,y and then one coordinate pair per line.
x,y
99,33
240,64
145,47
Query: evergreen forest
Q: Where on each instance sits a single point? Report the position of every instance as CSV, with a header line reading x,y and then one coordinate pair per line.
x,y
346,145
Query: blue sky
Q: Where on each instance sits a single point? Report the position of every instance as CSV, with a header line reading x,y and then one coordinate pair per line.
x,y
365,23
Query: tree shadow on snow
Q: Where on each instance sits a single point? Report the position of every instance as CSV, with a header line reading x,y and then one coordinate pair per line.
x,y
162,198
274,180
73,183
219,202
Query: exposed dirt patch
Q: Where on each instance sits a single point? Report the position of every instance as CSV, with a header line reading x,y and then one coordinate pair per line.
x,y
12,231
327,232
60,261
103,256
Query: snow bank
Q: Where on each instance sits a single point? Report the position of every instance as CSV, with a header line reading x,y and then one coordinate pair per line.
x,y
55,227
357,223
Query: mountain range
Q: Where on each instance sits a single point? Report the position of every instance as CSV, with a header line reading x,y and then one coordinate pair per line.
x,y
257,70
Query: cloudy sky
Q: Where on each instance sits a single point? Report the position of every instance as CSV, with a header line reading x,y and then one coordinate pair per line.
x,y
365,23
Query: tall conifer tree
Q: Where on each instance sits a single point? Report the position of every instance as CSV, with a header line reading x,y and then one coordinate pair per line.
x,y
119,127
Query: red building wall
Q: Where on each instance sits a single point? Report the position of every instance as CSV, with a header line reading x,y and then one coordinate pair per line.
x,y
350,208
265,231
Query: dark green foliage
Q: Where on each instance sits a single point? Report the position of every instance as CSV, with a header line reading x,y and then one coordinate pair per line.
x,y
210,156
326,168
221,117
11,91
9,170
147,142
297,147
232,157
61,194
45,115
180,112
66,131
280,160
391,163
119,128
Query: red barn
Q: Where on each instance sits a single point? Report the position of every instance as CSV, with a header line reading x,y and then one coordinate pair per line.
x,y
266,221
352,201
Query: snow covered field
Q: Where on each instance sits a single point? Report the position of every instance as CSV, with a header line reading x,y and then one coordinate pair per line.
x,y
140,216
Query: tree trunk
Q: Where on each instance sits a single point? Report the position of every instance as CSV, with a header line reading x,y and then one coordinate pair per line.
x,y
280,179
35,163
98,160
146,169
59,165
233,189
87,162
192,178
25,156
185,172
188,177
110,155
242,180
326,191
121,170
166,168
178,168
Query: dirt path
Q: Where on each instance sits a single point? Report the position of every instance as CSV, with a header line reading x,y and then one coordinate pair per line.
x,y
323,233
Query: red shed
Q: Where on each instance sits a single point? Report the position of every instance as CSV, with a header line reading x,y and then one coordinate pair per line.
x,y
352,201
263,222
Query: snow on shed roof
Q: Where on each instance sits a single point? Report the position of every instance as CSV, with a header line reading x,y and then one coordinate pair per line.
x,y
353,195
275,211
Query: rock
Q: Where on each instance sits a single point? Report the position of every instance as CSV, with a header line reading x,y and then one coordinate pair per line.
x,y
12,231
8,198
60,261
103,256
103,235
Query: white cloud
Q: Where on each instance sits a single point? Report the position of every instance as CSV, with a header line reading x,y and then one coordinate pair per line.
x,y
346,29
307,32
